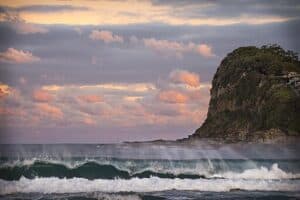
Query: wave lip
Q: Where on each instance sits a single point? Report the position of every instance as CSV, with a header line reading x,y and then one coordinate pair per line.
x,y
77,185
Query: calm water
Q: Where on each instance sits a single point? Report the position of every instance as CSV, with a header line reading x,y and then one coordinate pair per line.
x,y
144,171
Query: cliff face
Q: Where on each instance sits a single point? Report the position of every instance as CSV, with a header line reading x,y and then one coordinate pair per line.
x,y
254,95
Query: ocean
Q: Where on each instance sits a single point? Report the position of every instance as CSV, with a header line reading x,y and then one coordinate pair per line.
x,y
149,171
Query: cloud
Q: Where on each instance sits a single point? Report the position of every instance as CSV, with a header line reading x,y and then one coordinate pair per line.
x,y
28,28
52,87
184,88
49,8
89,121
167,47
18,24
231,9
105,87
185,77
128,105
205,50
213,13
132,105
106,36
12,111
50,110
12,55
172,96
4,90
182,96
42,96
132,98
91,98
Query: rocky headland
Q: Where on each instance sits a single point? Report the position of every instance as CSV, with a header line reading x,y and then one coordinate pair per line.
x,y
255,97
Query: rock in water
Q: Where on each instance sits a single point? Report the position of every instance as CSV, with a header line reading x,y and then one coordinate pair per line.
x,y
254,96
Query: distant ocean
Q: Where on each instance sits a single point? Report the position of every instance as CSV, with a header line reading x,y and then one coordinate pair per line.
x,y
145,171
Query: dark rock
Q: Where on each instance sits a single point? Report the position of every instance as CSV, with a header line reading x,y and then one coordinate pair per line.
x,y
252,98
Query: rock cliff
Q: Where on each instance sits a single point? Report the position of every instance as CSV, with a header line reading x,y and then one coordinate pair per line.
x,y
254,96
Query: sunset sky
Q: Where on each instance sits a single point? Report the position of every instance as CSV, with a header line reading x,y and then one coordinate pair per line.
x,y
110,71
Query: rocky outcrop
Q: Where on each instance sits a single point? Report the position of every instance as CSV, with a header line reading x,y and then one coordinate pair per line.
x,y
254,96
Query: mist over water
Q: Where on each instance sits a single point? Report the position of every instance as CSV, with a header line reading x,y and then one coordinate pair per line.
x,y
201,150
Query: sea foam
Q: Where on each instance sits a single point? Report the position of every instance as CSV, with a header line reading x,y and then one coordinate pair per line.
x,y
76,185
260,173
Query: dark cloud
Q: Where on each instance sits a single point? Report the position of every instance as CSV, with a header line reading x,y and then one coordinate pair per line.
x,y
232,8
44,8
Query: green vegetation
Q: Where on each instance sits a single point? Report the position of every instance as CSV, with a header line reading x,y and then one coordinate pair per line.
x,y
256,96
267,60
284,95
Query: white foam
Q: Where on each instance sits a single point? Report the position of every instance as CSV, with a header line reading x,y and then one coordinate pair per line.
x,y
116,197
260,173
75,185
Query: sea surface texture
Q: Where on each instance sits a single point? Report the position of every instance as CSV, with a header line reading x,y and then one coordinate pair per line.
x,y
148,171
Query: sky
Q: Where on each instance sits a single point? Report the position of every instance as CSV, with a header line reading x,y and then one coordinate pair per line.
x,y
108,71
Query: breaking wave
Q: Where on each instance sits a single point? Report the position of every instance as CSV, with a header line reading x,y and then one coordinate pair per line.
x,y
89,170
92,170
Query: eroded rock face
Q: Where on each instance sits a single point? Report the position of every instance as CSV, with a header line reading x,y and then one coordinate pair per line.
x,y
251,96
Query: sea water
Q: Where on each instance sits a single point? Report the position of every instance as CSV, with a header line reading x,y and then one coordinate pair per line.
x,y
149,171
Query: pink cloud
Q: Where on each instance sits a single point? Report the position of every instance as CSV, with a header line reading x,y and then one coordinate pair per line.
x,y
89,121
5,90
91,98
11,111
172,96
185,77
205,50
42,96
183,97
160,45
49,110
12,55
2,93
172,47
164,104
106,36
